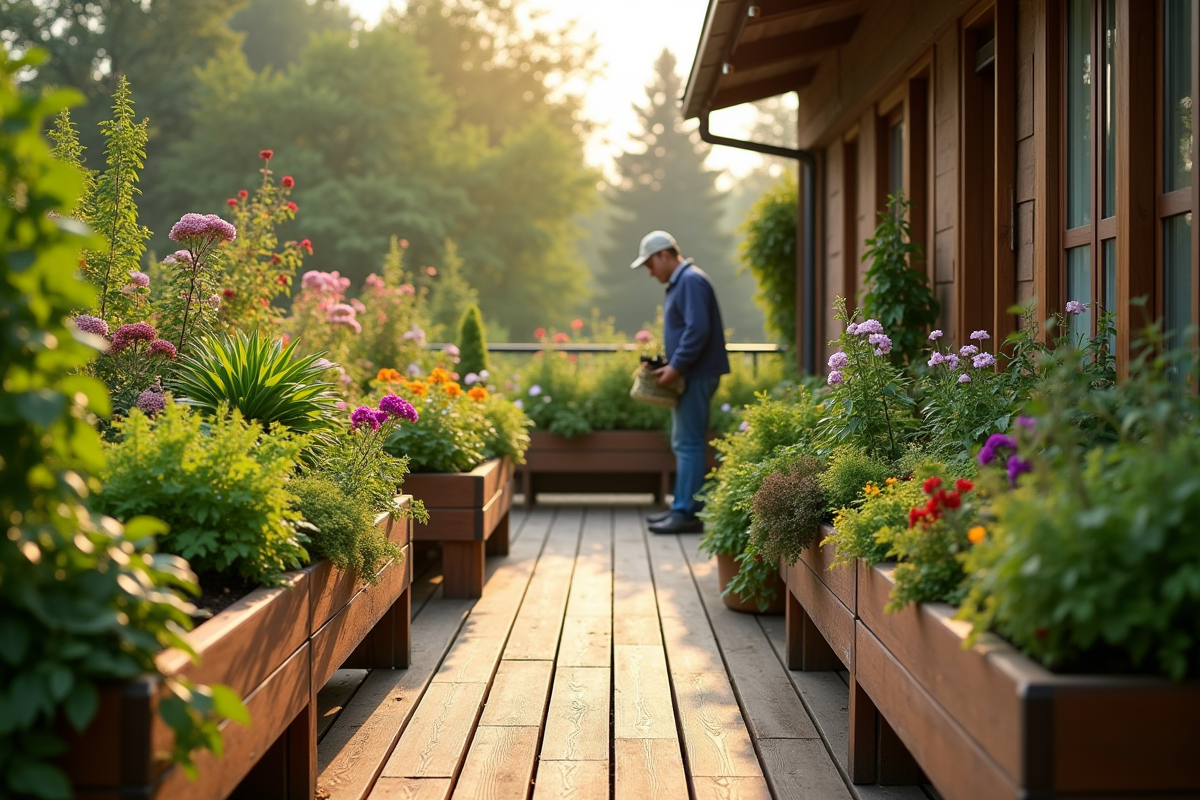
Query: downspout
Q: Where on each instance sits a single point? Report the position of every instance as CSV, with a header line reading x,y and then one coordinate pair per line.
x,y
808,247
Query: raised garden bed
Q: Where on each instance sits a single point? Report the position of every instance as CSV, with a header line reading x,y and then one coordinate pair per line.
x,y
468,514
276,648
821,609
603,462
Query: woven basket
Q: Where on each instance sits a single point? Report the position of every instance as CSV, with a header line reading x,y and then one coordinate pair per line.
x,y
646,389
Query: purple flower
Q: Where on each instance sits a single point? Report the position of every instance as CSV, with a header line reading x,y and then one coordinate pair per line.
x,y
979,336
161,347
398,407
994,442
1076,307
936,358
838,360
179,257
363,415
835,378
414,370
935,335
471,378
983,360
852,328
213,302
952,360
535,390
1026,422
89,324
139,279
451,350
745,426
204,229
1017,466
883,345
726,407
151,402
380,418
129,334
869,326
968,350
519,403
964,378
414,334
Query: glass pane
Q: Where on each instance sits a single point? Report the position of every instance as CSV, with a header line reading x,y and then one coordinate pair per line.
x,y
1177,276
1177,95
1109,131
1079,287
1110,282
1079,113
896,178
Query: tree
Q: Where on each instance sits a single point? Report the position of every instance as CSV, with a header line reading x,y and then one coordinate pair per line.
x,y
277,31
472,343
665,185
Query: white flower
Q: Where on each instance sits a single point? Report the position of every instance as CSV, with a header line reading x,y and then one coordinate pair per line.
x,y
535,390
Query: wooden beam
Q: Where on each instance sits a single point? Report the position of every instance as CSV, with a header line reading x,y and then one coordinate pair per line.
x,y
763,52
1004,169
768,87
772,10
1047,74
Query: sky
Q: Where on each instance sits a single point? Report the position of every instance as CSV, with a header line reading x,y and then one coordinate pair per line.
x,y
630,35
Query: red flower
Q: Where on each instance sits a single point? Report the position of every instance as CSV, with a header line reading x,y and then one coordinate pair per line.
x,y
243,194
275,259
262,301
561,338
231,202
229,293
431,271
952,500
306,245
576,324
292,207
266,155
404,244
931,484
963,485
914,516
288,181
283,280
573,358
540,333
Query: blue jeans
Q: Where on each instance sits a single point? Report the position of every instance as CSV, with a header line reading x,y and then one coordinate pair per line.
x,y
689,440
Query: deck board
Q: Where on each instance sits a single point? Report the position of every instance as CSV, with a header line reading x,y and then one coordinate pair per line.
x,y
600,662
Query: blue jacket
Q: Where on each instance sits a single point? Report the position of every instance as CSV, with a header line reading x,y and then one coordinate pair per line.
x,y
693,335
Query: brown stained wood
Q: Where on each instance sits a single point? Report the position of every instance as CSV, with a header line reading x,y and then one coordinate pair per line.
x,y
833,621
951,759
1047,82
334,695
498,539
586,642
597,442
577,723
636,630
731,788
463,565
571,780
715,735
459,489
411,789
642,694
863,733
333,588
649,769
518,694
1004,169
433,744
799,769
499,764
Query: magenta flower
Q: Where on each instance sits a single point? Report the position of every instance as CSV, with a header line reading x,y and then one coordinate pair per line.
x,y
838,360
161,347
398,407
202,230
835,378
995,442
130,334
89,324
1076,307
643,337
151,402
1027,422
1017,466
364,415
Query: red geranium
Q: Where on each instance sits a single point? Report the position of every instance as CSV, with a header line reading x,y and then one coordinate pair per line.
x,y
231,202
266,155
931,484
540,333
292,207
243,194
963,485
576,324
288,181
306,245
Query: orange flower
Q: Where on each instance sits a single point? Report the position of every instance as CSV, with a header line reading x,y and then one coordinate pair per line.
x,y
439,375
976,534
453,389
478,394
892,481
418,388
389,376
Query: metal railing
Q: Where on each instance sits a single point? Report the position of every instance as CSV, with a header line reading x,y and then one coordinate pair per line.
x,y
755,349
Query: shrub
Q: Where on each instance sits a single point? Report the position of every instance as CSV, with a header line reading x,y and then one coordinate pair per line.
x,y
769,253
449,435
897,292
850,470
866,528
507,432
83,601
344,528
391,316
472,343
220,484
787,509
929,551
260,378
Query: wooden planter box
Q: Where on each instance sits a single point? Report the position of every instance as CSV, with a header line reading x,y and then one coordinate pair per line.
x,y
468,514
276,648
603,462
821,609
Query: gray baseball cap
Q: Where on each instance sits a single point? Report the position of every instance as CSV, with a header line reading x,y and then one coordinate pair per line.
x,y
653,242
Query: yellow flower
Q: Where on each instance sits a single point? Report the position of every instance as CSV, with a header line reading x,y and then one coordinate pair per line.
x,y
478,394
870,490
976,534
892,481
439,375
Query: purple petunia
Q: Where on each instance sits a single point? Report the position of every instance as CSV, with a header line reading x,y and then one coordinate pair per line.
x,y
151,402
1017,466
203,229
935,335
979,336
835,378
129,334
364,415
89,324
161,347
838,360
1076,307
983,360
398,407
994,442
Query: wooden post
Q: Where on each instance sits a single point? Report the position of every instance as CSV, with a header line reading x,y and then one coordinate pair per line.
x,y
863,734
497,543
794,618
896,765
301,738
463,569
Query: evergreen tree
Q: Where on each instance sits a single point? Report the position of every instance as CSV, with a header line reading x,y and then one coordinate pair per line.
x,y
472,343
450,294
277,31
664,185
68,150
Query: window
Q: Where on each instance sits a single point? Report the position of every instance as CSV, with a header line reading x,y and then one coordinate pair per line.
x,y
1175,168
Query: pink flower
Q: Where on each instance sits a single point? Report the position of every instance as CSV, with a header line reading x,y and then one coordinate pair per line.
x,y
288,181
983,360
561,338
374,281
452,351
431,271
935,335
358,305
203,229
835,378
979,336
964,378
151,402
161,347
406,288
89,324
539,333
576,324
1076,307
967,350
130,334
140,280
838,360
179,257
243,194
643,337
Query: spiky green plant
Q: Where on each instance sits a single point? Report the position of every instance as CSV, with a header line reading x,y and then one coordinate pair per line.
x,y
472,343
68,150
259,377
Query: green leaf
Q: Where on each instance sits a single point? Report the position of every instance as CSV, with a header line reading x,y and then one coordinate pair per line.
x,y
227,704
38,779
14,639
41,407
80,706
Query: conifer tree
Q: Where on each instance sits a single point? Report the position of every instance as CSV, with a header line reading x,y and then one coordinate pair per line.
x,y
665,185
68,150
449,294
112,209
472,343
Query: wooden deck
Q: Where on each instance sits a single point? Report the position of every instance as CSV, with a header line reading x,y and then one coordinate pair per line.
x,y
600,662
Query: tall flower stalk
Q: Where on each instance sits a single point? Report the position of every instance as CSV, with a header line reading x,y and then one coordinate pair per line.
x,y
192,301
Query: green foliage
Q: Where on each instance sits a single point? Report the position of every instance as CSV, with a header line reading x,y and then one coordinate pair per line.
x,y
507,432
850,470
259,378
392,306
68,150
450,294
472,343
771,424
345,531
865,529
787,509
745,380
220,484
276,31
83,601
450,434
112,210
769,253
897,293
1093,562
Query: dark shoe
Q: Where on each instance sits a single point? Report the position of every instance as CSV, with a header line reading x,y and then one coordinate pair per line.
x,y
677,523
653,518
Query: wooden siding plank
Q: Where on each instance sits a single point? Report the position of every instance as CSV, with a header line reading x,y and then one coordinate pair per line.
x,y
577,724
518,695
499,765
572,780
649,769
